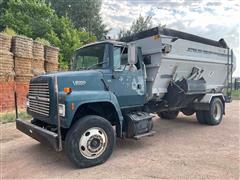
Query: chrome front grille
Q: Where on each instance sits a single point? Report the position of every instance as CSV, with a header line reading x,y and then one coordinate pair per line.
x,y
39,98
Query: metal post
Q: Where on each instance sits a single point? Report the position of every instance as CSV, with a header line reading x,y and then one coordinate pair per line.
x,y
15,101
57,115
15,93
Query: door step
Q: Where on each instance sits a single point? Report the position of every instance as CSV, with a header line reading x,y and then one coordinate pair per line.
x,y
137,137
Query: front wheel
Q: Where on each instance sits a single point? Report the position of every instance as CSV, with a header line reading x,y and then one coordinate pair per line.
x,y
90,141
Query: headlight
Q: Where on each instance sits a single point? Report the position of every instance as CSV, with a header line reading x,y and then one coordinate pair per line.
x,y
61,109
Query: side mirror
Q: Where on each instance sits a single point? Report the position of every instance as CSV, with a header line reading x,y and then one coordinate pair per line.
x,y
132,53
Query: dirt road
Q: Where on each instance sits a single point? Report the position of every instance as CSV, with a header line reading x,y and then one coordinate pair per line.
x,y
181,148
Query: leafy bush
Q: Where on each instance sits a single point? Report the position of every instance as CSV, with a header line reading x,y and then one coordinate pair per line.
x,y
9,31
43,41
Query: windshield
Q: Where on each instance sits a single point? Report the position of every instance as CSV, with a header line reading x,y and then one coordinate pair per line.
x,y
91,57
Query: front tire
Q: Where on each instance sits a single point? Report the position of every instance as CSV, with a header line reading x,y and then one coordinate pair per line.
x,y
90,141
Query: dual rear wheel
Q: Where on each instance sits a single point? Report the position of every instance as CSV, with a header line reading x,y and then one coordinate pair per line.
x,y
214,115
211,117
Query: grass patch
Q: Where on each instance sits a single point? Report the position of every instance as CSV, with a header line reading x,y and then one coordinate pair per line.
x,y
10,116
236,94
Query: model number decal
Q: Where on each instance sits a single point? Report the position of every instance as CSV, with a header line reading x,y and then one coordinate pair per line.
x,y
79,83
205,52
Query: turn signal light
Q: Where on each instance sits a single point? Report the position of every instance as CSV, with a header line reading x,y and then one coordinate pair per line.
x,y
67,90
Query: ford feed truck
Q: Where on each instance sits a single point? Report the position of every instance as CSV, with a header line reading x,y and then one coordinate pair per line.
x,y
115,87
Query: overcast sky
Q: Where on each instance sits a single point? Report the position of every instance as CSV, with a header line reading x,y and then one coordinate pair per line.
x,y
207,18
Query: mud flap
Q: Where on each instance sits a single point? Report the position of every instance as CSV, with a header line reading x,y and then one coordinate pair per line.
x,y
42,135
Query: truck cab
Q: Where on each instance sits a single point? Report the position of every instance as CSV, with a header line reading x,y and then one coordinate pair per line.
x,y
121,66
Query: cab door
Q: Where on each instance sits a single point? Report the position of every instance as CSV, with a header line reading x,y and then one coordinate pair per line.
x,y
128,84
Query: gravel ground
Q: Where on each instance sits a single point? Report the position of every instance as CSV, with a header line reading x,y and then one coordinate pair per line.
x,y
181,149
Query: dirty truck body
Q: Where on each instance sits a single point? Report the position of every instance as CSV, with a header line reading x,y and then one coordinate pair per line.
x,y
115,87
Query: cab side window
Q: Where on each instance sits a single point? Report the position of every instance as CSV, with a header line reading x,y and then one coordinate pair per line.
x,y
117,58
120,58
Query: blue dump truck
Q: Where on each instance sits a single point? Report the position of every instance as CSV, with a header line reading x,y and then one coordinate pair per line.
x,y
115,87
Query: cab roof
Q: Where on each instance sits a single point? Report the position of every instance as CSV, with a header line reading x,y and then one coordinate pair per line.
x,y
115,43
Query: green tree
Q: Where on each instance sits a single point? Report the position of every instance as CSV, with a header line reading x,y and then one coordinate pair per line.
x,y
36,19
83,13
28,17
3,5
138,25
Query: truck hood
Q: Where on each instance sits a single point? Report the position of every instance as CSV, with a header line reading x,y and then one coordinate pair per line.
x,y
73,73
79,80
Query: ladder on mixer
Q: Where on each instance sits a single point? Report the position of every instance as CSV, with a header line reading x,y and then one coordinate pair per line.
x,y
229,74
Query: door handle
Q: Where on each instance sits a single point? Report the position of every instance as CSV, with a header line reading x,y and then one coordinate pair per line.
x,y
115,76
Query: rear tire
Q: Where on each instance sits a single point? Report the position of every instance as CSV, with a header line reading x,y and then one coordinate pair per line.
x,y
168,114
214,115
90,141
201,117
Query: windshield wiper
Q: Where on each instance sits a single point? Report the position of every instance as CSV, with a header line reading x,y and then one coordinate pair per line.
x,y
79,68
101,63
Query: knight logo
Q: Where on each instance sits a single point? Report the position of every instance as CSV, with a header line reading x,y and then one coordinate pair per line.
x,y
79,83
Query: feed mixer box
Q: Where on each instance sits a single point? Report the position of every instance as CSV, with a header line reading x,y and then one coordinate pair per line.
x,y
171,56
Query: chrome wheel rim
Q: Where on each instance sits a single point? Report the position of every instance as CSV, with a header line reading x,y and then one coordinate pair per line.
x,y
217,111
93,143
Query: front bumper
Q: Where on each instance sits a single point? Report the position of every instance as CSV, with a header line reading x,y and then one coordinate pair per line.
x,y
42,135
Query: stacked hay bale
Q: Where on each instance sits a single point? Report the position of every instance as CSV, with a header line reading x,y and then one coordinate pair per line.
x,y
51,58
6,66
38,59
22,49
6,74
23,54
6,58
20,59
5,41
